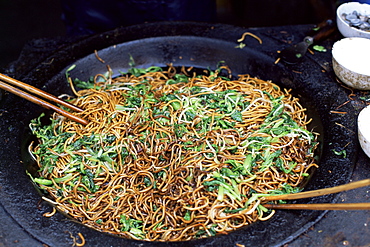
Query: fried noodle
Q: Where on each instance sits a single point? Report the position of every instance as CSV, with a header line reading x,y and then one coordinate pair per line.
x,y
173,156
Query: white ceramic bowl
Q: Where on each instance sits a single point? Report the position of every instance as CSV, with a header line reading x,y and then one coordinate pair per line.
x,y
344,28
363,123
351,62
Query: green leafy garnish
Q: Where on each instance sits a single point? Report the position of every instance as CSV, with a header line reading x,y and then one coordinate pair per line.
x,y
319,48
342,152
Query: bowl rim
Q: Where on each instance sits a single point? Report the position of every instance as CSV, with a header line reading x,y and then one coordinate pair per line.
x,y
363,132
340,11
363,112
335,56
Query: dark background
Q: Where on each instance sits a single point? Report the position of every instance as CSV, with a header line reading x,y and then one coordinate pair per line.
x,y
24,20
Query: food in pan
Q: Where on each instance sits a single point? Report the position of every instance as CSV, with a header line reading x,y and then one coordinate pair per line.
x,y
172,155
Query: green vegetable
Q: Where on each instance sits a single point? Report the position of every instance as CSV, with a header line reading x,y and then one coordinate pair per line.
x,y
132,225
43,181
365,98
69,69
319,48
187,216
237,116
342,152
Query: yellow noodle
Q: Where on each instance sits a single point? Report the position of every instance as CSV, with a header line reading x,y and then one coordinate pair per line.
x,y
155,179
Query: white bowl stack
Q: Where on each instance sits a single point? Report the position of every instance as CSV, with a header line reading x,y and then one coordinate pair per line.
x,y
351,62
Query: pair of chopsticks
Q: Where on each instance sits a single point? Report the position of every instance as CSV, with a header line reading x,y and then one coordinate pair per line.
x,y
6,79
320,192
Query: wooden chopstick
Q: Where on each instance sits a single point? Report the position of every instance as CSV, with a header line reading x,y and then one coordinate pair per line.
x,y
39,101
320,192
39,92
321,206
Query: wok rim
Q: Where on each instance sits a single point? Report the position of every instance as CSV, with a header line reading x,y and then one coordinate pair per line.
x,y
206,242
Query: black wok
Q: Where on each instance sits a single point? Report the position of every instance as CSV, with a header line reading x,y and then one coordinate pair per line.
x,y
188,44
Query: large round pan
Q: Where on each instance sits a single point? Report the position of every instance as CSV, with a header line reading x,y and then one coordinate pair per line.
x,y
182,44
